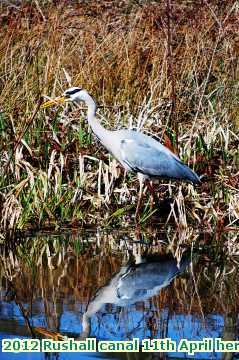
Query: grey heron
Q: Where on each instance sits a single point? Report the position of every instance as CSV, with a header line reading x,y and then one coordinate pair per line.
x,y
134,150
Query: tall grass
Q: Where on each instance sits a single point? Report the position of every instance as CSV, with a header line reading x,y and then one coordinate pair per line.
x,y
143,63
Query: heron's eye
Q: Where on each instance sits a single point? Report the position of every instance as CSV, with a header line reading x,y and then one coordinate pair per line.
x,y
67,95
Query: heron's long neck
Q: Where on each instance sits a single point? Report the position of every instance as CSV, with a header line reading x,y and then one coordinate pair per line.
x,y
97,128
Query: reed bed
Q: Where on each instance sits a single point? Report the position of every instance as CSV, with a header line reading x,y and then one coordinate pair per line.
x,y
171,71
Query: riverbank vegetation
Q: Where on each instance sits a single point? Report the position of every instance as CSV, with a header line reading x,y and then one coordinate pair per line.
x,y
170,70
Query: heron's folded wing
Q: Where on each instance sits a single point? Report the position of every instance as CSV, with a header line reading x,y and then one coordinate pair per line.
x,y
147,159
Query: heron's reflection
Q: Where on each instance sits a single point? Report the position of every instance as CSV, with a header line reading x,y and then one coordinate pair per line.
x,y
136,281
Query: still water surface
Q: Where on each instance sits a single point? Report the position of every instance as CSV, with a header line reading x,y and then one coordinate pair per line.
x,y
114,286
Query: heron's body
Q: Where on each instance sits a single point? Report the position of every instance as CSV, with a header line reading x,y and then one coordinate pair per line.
x,y
135,151
142,154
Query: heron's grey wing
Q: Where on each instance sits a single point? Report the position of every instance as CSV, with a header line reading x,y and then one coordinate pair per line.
x,y
144,158
152,158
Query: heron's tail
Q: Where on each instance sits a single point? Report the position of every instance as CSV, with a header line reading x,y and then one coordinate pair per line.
x,y
190,175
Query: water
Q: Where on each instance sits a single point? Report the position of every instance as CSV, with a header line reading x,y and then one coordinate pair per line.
x,y
120,286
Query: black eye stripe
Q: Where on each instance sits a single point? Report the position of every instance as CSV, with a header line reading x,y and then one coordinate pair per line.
x,y
71,92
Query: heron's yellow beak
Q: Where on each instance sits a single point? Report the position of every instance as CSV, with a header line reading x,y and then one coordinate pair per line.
x,y
56,101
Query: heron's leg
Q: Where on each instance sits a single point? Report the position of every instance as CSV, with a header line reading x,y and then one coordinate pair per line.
x,y
150,186
141,185
137,232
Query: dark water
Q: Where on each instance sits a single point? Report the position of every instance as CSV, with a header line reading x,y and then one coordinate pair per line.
x,y
119,286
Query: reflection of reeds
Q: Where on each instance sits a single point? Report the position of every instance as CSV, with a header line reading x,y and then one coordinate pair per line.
x,y
154,66
69,269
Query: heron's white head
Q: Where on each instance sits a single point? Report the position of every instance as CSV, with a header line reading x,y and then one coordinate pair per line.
x,y
74,94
